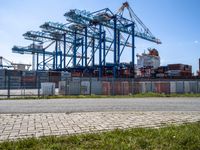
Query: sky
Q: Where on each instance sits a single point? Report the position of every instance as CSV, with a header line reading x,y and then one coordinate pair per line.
x,y
175,22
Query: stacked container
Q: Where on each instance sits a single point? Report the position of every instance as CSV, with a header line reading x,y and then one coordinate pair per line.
x,y
54,77
14,78
179,70
65,76
106,88
29,79
42,76
74,86
2,78
96,86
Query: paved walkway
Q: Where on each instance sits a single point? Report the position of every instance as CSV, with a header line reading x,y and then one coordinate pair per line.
x,y
14,126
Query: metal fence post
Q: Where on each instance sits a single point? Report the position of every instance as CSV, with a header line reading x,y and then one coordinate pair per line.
x,y
8,85
90,86
80,86
131,85
38,84
113,92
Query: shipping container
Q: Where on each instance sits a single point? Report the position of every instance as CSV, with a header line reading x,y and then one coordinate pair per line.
x,y
193,86
116,88
28,73
125,88
187,87
162,87
148,87
76,74
85,87
172,87
143,87
198,88
76,79
160,75
13,73
106,88
65,76
74,87
48,89
29,82
42,73
180,87
55,80
137,87
62,90
2,84
96,87
2,72
54,73
175,67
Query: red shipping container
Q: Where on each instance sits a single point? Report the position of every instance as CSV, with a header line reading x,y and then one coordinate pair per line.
x,y
106,88
162,87
125,87
76,74
116,88
136,87
29,79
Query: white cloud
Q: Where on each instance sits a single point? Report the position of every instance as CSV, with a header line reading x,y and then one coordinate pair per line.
x,y
196,42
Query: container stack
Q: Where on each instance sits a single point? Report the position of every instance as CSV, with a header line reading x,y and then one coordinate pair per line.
x,y
160,72
179,70
146,72
63,89
96,86
29,79
14,78
106,88
2,78
65,76
54,77
76,74
43,76
85,87
75,86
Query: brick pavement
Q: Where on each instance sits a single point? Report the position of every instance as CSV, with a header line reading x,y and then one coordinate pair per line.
x,y
15,126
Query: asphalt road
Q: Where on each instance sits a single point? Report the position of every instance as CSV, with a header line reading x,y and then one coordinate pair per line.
x,y
99,105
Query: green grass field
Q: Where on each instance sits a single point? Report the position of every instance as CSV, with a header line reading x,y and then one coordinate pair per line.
x,y
181,137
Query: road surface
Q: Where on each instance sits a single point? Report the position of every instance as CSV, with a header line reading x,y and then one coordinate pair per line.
x,y
99,105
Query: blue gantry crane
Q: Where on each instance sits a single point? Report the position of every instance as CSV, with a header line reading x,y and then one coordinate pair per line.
x,y
85,36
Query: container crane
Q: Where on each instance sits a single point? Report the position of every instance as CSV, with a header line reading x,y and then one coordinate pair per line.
x,y
142,31
102,32
4,63
119,25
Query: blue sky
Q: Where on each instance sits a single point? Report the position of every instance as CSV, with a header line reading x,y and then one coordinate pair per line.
x,y
175,22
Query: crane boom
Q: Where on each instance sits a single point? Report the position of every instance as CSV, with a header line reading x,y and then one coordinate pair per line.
x,y
144,29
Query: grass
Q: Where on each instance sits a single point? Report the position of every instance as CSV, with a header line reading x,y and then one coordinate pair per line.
x,y
141,95
185,136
